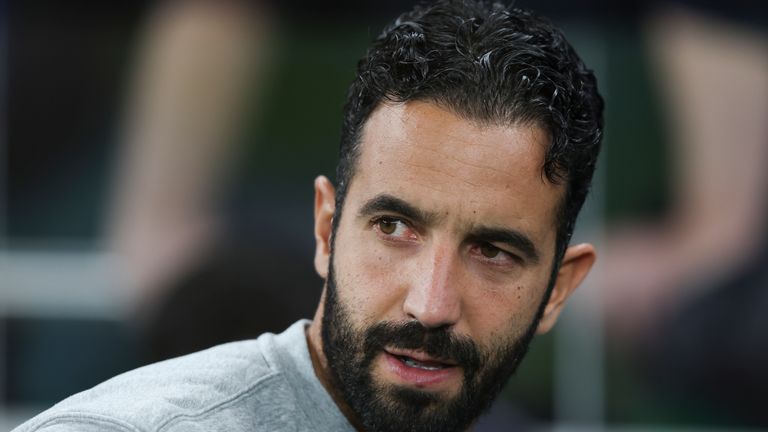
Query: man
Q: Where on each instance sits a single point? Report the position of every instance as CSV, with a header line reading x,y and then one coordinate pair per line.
x,y
468,146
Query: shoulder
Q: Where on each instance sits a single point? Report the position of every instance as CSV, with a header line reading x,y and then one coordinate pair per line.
x,y
236,386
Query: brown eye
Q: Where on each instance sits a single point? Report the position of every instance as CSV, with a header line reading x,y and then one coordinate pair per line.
x,y
387,226
489,251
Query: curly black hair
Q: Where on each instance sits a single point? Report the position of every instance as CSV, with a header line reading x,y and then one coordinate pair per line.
x,y
489,63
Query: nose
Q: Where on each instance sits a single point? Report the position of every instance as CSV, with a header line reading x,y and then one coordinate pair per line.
x,y
434,297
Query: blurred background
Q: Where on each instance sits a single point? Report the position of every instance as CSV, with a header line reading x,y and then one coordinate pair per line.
x,y
156,167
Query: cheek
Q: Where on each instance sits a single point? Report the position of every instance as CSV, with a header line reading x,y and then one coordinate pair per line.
x,y
367,280
501,313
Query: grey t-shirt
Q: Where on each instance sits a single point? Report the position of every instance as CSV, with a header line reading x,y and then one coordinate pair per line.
x,y
267,384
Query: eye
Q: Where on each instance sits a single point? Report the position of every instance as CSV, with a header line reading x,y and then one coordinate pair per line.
x,y
393,229
489,251
387,226
493,255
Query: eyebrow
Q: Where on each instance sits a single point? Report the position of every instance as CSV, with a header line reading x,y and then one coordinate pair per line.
x,y
513,238
388,203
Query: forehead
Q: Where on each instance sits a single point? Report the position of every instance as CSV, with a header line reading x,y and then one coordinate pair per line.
x,y
473,173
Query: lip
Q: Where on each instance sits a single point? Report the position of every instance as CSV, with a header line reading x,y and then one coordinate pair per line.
x,y
421,378
420,356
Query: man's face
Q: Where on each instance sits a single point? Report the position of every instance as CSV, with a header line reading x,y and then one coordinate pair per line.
x,y
440,265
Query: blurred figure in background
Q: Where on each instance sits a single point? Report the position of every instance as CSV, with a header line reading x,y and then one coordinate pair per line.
x,y
714,78
199,68
687,295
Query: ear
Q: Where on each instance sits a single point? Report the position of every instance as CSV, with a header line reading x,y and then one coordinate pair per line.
x,y
325,206
576,263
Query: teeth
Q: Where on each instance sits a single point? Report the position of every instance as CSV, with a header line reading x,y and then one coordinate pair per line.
x,y
413,363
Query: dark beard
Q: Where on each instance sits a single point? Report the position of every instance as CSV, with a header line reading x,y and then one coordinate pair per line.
x,y
395,408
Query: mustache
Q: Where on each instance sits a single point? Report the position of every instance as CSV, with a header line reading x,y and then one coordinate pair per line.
x,y
436,342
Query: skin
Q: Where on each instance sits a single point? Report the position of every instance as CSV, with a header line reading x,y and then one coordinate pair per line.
x,y
444,271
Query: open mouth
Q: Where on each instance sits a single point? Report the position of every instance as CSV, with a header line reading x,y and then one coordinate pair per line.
x,y
420,360
424,365
419,369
